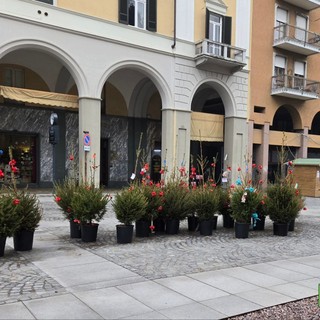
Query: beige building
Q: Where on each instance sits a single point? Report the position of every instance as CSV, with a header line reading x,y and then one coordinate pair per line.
x,y
231,75
284,80
172,71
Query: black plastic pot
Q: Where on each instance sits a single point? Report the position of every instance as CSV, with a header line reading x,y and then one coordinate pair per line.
x,y
193,222
75,229
124,233
241,230
280,229
172,226
23,240
89,232
206,227
142,228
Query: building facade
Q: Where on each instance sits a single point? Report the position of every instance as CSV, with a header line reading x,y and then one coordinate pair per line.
x,y
166,76
284,81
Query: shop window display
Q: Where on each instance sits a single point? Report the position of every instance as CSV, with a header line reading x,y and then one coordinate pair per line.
x,y
24,152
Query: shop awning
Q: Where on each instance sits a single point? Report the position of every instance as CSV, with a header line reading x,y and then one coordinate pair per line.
x,y
207,127
40,97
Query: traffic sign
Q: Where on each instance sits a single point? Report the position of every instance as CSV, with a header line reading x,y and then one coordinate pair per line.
x,y
86,142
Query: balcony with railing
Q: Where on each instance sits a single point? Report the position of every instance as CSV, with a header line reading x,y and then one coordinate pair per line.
x,y
305,4
296,40
211,55
295,87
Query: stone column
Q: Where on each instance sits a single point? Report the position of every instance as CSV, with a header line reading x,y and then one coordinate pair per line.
x,y
303,150
235,144
175,149
90,122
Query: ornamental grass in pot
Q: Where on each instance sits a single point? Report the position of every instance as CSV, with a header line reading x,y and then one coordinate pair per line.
x,y
89,205
130,204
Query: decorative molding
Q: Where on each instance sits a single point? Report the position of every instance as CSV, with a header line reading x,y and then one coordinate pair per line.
x,y
217,6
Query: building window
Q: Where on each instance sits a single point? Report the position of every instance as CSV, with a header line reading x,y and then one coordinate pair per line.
x,y
299,74
13,77
139,13
280,66
301,28
24,152
281,23
218,28
46,1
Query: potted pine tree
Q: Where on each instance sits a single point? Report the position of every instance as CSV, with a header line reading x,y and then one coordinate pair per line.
x,y
89,206
9,220
130,204
204,201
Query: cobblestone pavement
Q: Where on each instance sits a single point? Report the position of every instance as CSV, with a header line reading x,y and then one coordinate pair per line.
x,y
158,256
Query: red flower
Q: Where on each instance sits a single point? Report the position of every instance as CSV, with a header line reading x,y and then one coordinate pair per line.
x,y
152,228
304,208
289,171
76,221
260,167
94,156
260,181
213,165
254,165
142,172
12,163
71,157
229,168
16,202
160,193
161,171
213,185
160,208
262,202
297,192
14,169
290,163
153,193
232,186
58,199
239,169
1,174
146,166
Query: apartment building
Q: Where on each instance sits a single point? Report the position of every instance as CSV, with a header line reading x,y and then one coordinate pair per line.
x,y
165,75
284,80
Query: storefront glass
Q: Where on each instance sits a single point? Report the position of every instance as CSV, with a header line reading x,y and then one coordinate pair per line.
x,y
24,152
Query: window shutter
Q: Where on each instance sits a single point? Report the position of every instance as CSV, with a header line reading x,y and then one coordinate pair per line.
x,y
226,30
207,23
152,15
123,11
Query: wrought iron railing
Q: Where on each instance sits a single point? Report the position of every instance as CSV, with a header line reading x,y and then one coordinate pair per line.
x,y
285,31
221,50
295,83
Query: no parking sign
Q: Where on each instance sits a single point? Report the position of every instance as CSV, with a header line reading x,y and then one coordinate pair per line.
x,y
86,142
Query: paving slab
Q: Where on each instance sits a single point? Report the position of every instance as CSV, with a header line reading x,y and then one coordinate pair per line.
x,y
294,290
61,307
223,282
112,303
155,295
192,311
89,273
278,272
265,297
191,288
253,276
15,311
232,305
298,267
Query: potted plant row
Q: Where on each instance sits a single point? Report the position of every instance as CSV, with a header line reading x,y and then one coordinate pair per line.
x,y
20,213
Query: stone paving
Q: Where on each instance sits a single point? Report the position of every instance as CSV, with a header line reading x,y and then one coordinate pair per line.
x,y
159,256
